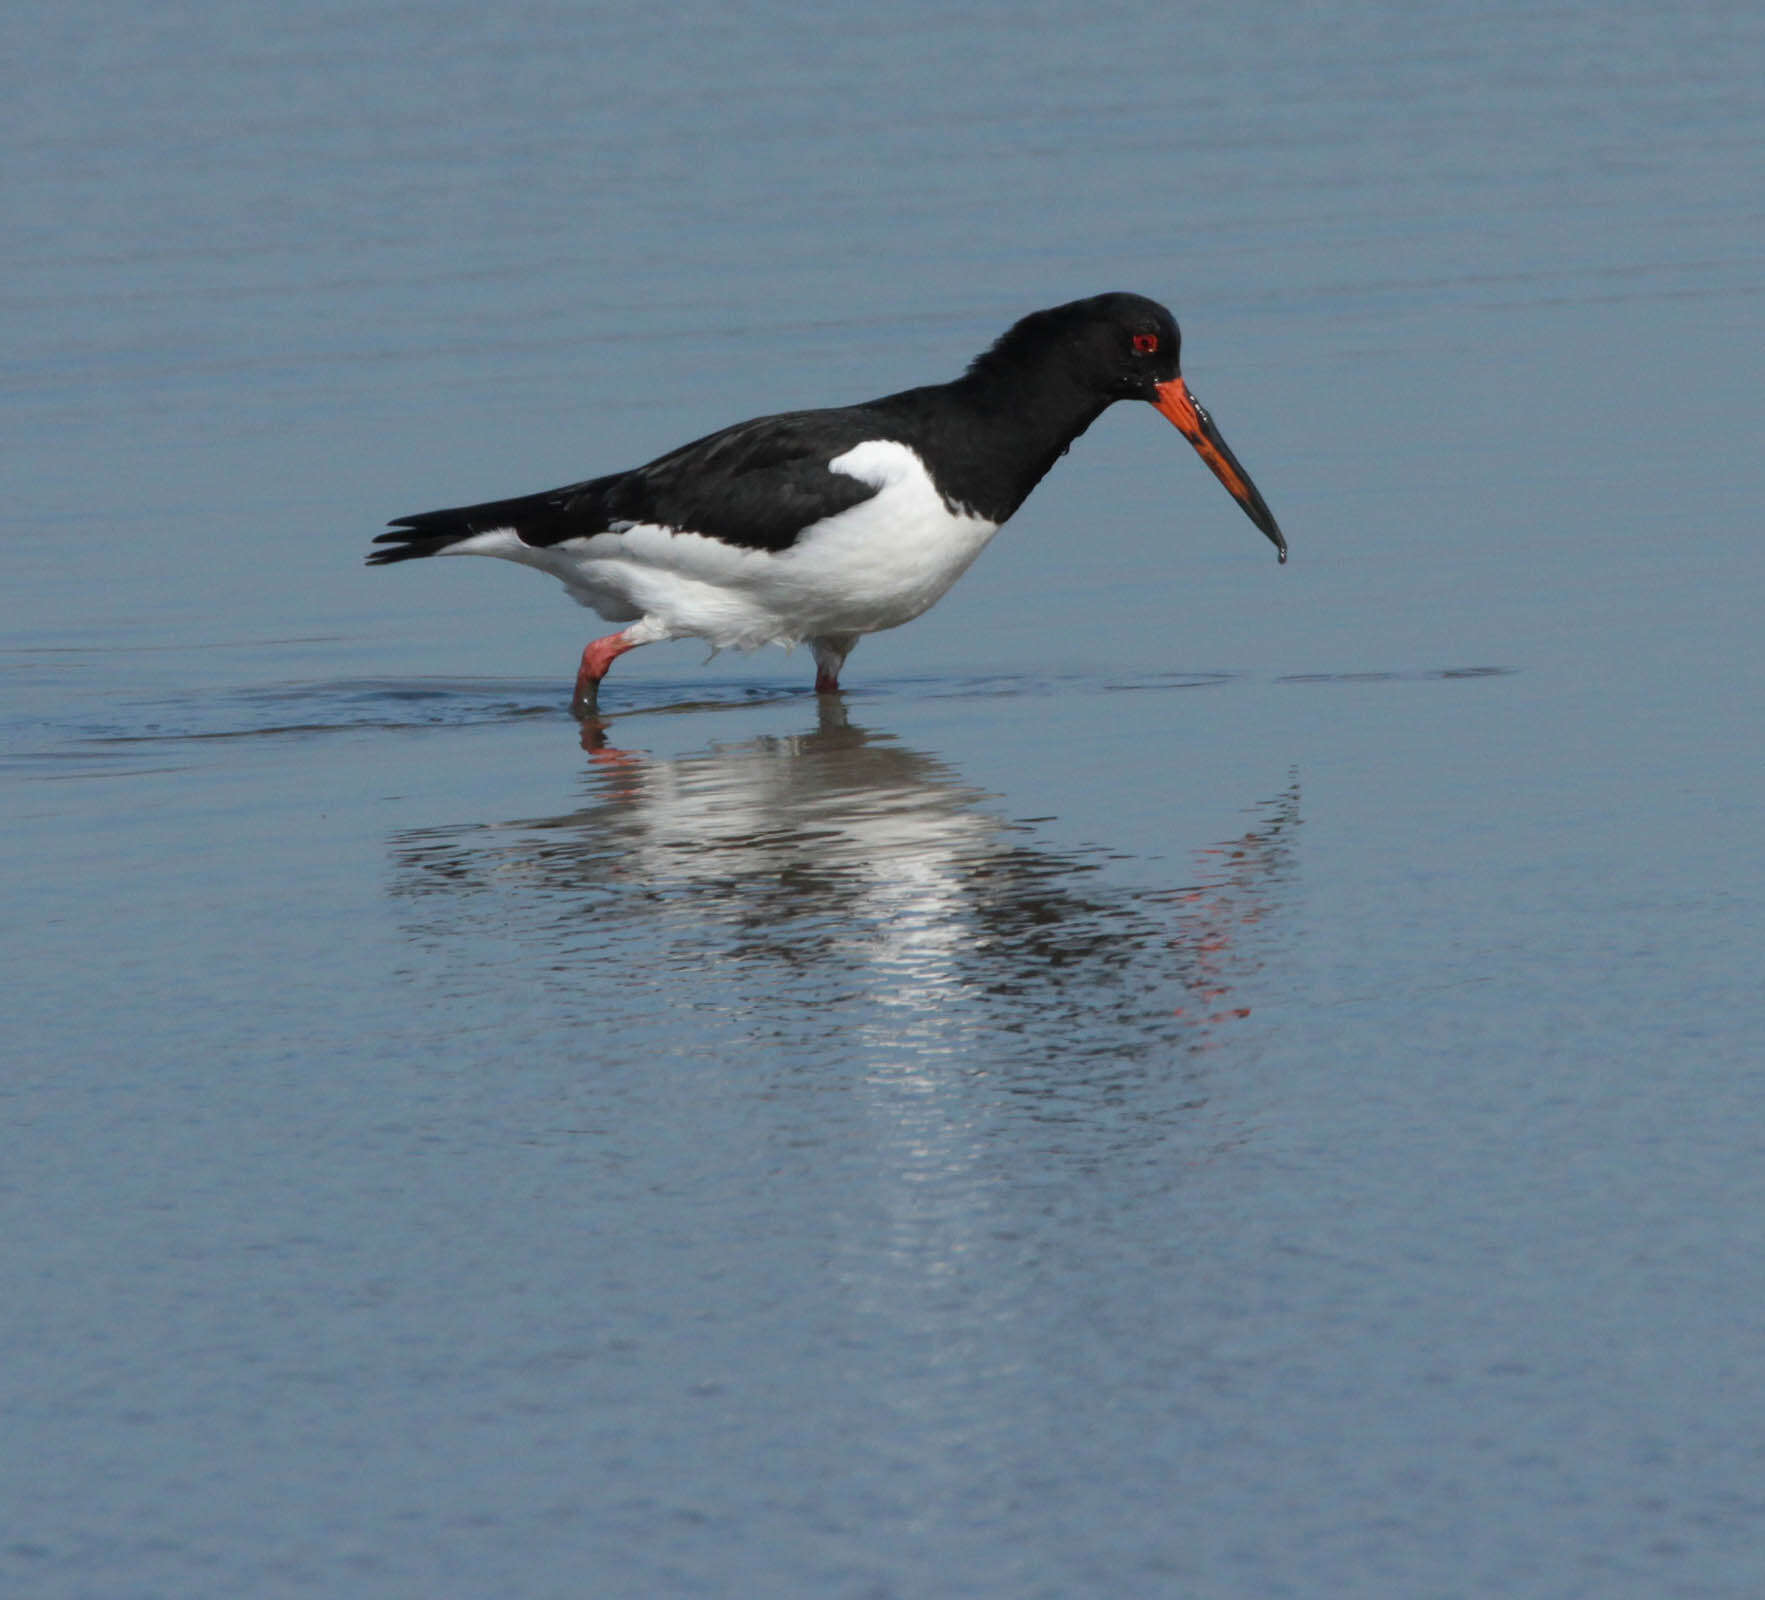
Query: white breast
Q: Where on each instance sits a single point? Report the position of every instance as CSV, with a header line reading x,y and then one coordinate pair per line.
x,y
884,562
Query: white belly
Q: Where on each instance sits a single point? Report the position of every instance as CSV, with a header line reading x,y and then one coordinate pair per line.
x,y
875,566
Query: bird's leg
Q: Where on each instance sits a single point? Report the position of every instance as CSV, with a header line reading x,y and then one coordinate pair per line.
x,y
601,654
830,653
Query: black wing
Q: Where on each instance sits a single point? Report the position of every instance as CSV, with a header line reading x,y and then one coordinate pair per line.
x,y
758,485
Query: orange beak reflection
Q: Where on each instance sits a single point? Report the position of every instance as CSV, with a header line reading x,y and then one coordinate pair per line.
x,y
1176,402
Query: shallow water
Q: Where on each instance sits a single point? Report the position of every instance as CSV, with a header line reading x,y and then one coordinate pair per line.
x,y
1189,1078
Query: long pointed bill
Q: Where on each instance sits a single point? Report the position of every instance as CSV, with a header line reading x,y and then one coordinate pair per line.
x,y
1175,401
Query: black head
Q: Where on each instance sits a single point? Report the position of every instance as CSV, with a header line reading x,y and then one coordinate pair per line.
x,y
1115,346
1108,348
1135,343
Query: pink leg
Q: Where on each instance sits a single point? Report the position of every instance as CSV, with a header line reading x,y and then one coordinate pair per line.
x,y
601,654
830,655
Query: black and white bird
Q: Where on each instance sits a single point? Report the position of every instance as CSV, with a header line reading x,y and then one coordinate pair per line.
x,y
819,527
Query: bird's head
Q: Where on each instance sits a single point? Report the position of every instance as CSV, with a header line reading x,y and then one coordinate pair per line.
x,y
1126,347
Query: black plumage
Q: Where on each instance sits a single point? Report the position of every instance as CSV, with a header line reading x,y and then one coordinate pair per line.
x,y
819,527
989,437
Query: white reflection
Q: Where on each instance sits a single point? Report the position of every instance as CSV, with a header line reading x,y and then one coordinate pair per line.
x,y
837,887
841,926
859,852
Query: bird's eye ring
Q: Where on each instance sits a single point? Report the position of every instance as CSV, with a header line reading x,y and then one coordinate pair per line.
x,y
1145,343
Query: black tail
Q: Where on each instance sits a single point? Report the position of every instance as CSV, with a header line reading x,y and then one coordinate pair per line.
x,y
539,519
428,533
410,544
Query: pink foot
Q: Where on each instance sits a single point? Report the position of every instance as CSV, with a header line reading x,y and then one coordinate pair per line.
x,y
827,682
598,656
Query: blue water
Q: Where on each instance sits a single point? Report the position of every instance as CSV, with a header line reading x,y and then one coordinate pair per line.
x,y
1191,1078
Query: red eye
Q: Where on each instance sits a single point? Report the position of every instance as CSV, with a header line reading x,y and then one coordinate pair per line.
x,y
1145,343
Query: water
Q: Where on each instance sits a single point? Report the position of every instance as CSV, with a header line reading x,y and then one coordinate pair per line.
x,y
1191,1078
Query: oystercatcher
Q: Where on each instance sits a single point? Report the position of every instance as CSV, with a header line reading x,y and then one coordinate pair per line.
x,y
823,526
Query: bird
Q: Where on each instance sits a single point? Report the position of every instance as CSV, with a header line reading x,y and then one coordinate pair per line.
x,y
819,527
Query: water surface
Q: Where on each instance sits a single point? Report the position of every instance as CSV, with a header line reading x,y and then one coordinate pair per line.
x,y
1189,1078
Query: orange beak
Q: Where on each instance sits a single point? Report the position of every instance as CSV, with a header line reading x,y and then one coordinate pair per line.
x,y
1175,401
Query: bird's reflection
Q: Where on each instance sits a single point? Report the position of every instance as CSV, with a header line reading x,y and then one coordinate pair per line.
x,y
836,885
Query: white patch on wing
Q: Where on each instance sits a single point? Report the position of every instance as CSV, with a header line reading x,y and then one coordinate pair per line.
x,y
873,566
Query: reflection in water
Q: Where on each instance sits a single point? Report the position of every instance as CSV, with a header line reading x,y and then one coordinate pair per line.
x,y
942,1012
835,888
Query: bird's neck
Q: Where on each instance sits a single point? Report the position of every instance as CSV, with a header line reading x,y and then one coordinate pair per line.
x,y
1015,425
